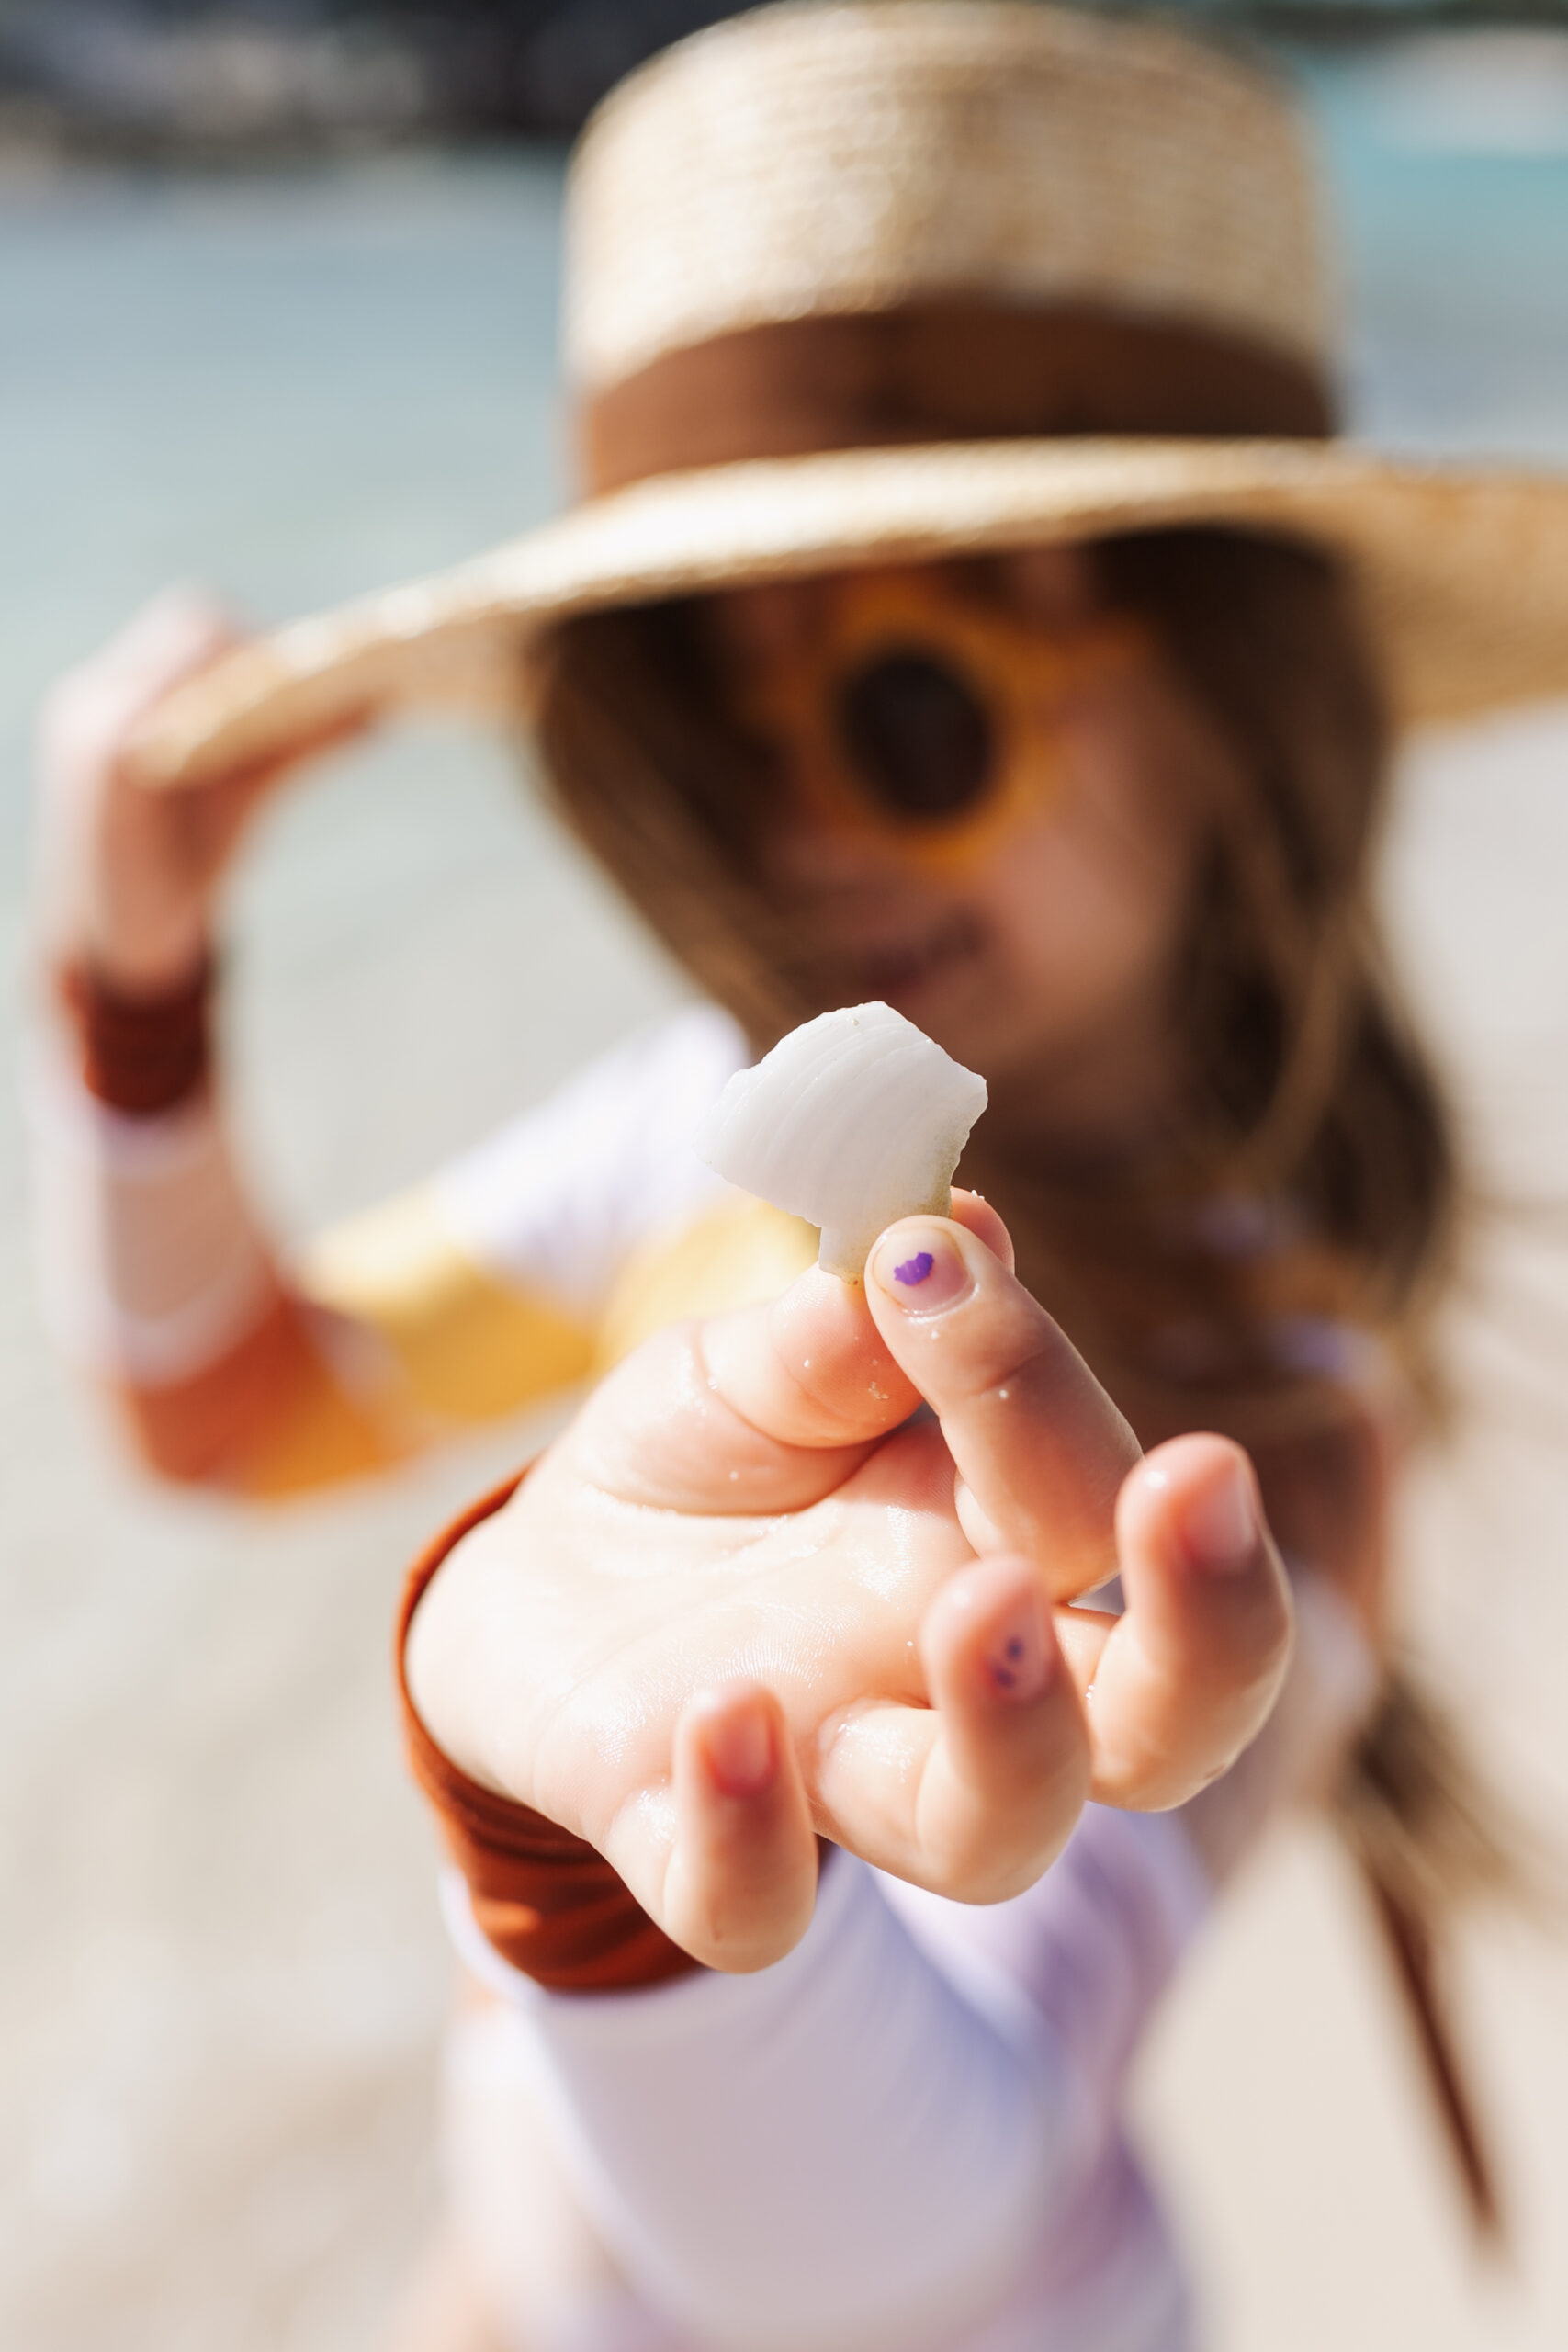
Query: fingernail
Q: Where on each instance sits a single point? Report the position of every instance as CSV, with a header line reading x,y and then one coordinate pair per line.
x,y
1019,1663
921,1271
1219,1523
740,1749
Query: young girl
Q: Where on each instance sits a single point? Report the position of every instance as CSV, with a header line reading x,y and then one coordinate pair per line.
x,y
971,613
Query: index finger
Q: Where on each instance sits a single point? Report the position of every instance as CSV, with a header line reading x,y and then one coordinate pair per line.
x,y
1036,1440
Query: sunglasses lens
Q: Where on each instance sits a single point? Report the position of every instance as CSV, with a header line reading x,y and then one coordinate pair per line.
x,y
917,735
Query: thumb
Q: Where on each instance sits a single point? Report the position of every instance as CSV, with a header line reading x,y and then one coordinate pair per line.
x,y
767,1409
812,1369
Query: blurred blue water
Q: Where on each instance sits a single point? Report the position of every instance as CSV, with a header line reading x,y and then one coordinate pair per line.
x,y
292,385
1455,250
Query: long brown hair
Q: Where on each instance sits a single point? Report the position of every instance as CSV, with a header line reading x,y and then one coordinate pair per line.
x,y
1309,1186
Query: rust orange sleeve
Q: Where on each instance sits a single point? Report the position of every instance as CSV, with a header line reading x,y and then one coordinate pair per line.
x,y
139,1054
547,1901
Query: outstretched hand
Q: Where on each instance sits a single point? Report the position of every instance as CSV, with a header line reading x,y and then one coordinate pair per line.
x,y
746,1599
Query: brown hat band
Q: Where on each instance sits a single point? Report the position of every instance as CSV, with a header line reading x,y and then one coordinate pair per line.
x,y
952,371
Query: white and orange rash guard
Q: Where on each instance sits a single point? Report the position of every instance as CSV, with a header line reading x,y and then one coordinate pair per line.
x,y
908,2133
903,2134
512,1274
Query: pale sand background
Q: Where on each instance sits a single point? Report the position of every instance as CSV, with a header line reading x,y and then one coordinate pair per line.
x,y
222,1981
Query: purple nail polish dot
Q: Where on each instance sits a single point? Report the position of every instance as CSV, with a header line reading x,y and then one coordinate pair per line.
x,y
1004,1678
1015,1648
914,1270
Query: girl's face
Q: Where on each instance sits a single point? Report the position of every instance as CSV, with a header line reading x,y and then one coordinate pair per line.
x,y
985,815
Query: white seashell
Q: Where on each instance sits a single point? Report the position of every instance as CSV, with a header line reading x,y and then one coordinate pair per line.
x,y
854,1119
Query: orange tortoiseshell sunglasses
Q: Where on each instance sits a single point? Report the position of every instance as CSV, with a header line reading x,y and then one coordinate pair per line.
x,y
904,706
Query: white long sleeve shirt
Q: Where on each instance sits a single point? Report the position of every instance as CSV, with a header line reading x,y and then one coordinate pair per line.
x,y
906,2133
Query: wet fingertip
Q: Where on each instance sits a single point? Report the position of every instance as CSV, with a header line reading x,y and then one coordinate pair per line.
x,y
738,1741
1003,1629
1213,1493
919,1268
818,1316
1020,1661
973,1211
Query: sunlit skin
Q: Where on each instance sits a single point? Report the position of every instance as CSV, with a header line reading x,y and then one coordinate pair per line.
x,y
744,1602
740,1602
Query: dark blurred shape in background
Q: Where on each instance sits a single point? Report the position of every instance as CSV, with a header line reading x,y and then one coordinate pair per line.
x,y
181,74
217,76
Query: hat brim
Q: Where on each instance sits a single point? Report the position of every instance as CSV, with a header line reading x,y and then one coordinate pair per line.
x,y
1464,573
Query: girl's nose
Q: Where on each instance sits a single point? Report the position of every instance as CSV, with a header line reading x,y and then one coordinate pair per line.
x,y
805,849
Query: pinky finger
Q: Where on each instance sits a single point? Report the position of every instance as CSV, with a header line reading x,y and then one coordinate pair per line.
x,y
741,1883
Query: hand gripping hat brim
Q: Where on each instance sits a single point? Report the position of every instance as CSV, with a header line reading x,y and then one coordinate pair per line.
x,y
917,278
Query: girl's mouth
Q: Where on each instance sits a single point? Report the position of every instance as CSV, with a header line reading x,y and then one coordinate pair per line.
x,y
906,973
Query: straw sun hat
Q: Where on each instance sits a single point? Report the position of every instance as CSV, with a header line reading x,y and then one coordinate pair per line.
x,y
911,278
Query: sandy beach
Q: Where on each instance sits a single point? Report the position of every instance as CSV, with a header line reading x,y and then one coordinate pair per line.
x,y
223,1979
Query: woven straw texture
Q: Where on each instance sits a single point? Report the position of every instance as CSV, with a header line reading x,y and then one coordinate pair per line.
x,y
1465,577
833,159
810,158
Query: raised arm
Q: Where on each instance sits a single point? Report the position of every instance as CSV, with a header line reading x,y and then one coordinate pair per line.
x,y
232,1364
